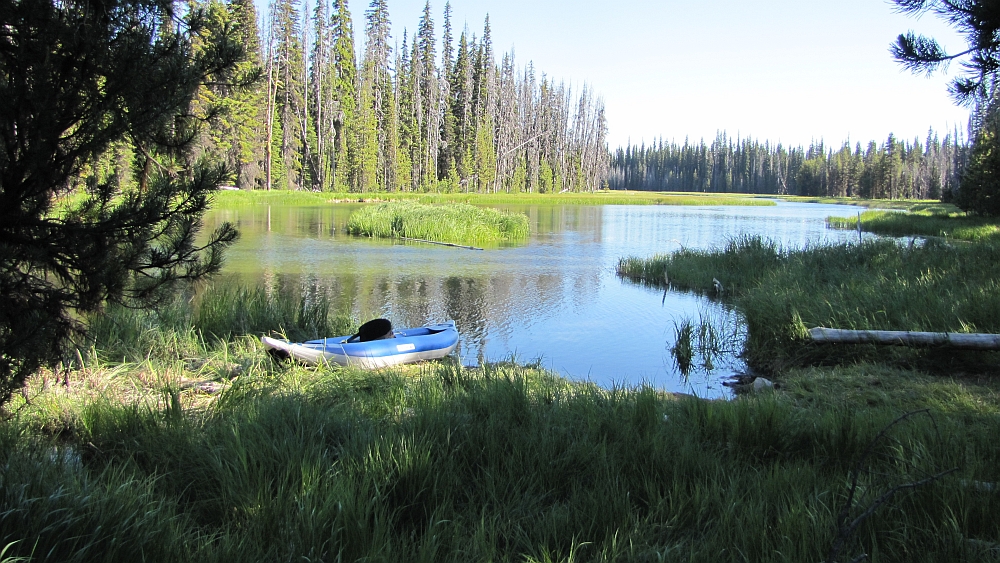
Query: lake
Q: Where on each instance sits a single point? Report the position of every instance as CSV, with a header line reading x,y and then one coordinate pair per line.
x,y
555,299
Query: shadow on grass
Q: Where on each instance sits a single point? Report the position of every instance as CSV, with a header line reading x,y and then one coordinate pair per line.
x,y
438,462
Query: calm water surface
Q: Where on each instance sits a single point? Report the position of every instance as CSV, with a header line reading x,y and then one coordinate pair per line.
x,y
555,299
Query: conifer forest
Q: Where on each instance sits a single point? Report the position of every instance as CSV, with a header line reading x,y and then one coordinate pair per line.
x,y
400,113
405,112
892,169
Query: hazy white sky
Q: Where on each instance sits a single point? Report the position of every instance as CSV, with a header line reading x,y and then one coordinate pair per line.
x,y
783,70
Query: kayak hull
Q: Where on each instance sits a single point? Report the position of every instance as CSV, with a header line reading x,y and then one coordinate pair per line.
x,y
430,342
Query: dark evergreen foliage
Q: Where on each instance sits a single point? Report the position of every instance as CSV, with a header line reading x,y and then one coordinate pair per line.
x,y
77,78
893,169
980,193
979,22
402,119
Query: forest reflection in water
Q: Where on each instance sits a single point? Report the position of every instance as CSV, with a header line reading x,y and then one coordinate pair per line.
x,y
555,298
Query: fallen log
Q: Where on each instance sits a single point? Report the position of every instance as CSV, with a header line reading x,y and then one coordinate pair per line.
x,y
439,243
968,341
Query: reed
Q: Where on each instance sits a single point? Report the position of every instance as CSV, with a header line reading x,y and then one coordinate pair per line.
x,y
683,348
189,326
455,223
742,263
226,310
877,285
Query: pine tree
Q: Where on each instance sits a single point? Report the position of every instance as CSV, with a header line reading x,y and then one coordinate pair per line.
x,y
307,133
321,80
237,133
461,118
345,93
980,192
272,164
446,153
979,22
76,83
484,111
485,155
506,124
427,100
484,94
289,93
408,129
378,132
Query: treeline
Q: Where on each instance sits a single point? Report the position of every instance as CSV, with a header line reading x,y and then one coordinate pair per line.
x,y
893,169
402,117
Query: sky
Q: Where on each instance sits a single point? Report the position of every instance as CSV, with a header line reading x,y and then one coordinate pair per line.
x,y
792,71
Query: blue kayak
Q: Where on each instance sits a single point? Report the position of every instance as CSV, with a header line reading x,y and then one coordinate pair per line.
x,y
409,345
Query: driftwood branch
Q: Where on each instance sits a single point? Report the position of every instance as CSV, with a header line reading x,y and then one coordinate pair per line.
x,y
966,341
440,243
845,529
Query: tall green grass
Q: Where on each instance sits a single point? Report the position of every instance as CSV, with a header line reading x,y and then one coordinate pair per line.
x,y
455,223
502,463
899,224
229,310
189,326
878,285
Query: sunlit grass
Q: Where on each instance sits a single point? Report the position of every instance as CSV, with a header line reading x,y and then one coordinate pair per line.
x,y
455,223
866,385
957,226
878,285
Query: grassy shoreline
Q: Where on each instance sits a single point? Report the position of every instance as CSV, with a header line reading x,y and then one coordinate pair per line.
x,y
878,285
235,198
177,438
951,226
504,462
931,206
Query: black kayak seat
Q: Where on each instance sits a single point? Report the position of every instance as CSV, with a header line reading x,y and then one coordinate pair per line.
x,y
377,329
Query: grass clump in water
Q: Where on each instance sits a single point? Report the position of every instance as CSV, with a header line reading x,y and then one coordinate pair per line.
x,y
454,223
741,264
956,226
877,285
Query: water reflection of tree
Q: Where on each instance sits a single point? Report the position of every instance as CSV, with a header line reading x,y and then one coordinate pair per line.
x,y
492,305
414,300
310,222
468,304
484,307
580,219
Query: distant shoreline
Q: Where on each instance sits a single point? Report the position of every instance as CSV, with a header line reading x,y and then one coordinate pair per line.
x,y
274,197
